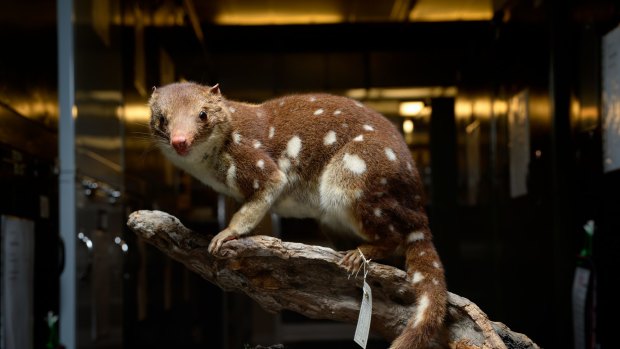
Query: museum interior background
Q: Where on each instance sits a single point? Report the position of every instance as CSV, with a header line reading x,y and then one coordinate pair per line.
x,y
517,147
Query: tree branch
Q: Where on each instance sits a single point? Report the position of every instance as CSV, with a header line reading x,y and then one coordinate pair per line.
x,y
308,280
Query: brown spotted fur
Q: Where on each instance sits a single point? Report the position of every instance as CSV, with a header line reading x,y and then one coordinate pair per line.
x,y
279,156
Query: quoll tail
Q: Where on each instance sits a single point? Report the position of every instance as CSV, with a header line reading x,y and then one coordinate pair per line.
x,y
426,275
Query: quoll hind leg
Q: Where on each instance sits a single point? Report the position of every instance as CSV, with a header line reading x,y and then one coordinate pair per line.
x,y
375,250
380,232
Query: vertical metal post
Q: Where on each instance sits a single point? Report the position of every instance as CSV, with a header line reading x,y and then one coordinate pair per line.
x,y
443,175
562,167
66,144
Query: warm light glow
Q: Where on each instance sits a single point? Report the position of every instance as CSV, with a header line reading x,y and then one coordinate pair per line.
x,y
408,126
99,142
463,108
36,108
482,107
402,92
168,17
589,113
120,112
356,93
575,107
74,112
426,112
471,128
383,106
500,107
451,10
412,108
271,18
137,113
538,154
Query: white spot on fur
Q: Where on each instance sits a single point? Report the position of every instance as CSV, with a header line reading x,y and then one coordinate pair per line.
x,y
330,138
260,114
236,137
336,199
391,227
231,175
368,128
272,132
435,282
284,164
345,125
422,253
260,164
337,112
358,193
421,310
417,277
415,236
378,212
281,103
383,181
232,109
358,104
409,167
256,144
436,265
256,185
390,154
359,138
354,163
312,99
319,112
293,147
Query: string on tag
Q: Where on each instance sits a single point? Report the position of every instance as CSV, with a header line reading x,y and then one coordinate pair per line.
x,y
365,264
362,329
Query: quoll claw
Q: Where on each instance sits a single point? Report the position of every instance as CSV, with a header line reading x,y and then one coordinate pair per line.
x,y
352,261
219,239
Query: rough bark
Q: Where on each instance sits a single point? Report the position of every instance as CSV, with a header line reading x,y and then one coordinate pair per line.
x,y
308,280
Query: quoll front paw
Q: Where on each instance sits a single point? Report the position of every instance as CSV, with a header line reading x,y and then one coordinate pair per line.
x,y
219,239
352,261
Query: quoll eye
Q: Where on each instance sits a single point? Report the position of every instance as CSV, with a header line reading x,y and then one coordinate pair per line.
x,y
202,115
162,121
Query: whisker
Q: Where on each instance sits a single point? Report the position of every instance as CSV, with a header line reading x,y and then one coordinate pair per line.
x,y
146,151
132,135
140,132
138,123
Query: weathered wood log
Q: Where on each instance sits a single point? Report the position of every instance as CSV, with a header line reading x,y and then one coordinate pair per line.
x,y
308,280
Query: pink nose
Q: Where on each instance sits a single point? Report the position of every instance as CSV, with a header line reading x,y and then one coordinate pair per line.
x,y
180,144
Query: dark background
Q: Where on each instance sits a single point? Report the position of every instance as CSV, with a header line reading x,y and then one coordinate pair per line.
x,y
514,257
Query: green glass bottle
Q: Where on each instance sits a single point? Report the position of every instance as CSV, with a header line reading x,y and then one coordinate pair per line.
x,y
52,325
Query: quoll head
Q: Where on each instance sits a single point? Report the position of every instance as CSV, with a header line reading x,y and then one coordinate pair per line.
x,y
185,113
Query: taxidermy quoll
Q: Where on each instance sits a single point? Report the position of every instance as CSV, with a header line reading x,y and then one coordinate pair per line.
x,y
309,156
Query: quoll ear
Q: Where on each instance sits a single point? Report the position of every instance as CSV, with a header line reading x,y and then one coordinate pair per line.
x,y
154,93
153,96
215,89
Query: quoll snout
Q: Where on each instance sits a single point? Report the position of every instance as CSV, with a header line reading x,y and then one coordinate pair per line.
x,y
180,144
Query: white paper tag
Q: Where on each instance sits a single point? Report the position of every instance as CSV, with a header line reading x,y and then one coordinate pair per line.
x,y
580,292
363,321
